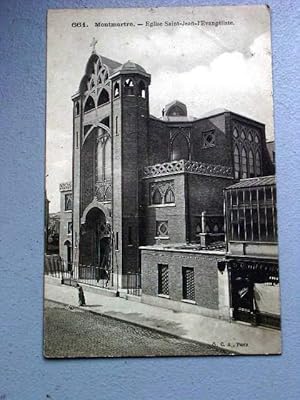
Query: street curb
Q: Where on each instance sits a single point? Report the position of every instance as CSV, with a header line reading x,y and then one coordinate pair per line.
x,y
160,330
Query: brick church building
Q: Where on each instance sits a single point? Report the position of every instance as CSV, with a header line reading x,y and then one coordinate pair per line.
x,y
148,190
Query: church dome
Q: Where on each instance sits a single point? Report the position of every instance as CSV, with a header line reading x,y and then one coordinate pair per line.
x,y
131,67
176,108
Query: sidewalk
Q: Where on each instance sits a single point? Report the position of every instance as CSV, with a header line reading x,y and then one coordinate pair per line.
x,y
236,337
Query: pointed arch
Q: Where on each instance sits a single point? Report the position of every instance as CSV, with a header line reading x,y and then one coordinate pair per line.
x,y
88,129
156,197
180,148
103,97
89,104
175,111
129,87
169,196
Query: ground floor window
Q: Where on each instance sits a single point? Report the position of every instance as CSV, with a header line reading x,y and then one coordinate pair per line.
x,y
163,279
188,283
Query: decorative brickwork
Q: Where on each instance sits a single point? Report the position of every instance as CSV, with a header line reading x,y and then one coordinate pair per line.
x,y
175,167
103,190
65,186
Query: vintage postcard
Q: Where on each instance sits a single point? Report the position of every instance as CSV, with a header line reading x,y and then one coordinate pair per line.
x,y
160,206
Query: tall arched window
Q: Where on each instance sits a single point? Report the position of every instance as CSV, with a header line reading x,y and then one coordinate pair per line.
x,y
104,158
251,164
179,148
244,163
107,159
142,89
129,87
103,98
169,196
156,198
258,163
100,160
248,141
236,155
89,104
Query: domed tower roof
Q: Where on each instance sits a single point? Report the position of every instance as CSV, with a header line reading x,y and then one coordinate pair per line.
x,y
131,67
175,108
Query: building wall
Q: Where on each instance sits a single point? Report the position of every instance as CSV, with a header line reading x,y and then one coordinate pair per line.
x,y
158,142
205,275
205,193
267,164
76,174
64,236
175,214
117,183
140,141
131,149
220,153
65,218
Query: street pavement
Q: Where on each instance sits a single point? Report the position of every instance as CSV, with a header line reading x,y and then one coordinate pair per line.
x,y
235,337
73,332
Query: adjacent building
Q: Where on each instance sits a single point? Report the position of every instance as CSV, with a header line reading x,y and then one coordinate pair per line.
x,y
65,227
252,250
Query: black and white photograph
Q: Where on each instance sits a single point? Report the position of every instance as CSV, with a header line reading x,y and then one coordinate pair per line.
x,y
160,201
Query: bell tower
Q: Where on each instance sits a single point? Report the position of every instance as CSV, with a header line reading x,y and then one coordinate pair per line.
x,y
130,112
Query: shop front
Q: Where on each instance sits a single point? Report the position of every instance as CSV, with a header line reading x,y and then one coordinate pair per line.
x,y
254,288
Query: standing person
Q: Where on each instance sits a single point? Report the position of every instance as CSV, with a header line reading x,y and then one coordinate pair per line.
x,y
81,298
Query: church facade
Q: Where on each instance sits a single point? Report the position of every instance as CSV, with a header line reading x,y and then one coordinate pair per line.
x,y
146,188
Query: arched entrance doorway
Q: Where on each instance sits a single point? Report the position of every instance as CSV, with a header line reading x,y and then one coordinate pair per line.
x,y
95,247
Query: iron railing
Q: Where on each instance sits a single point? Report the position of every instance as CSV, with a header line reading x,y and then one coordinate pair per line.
x,y
133,283
71,274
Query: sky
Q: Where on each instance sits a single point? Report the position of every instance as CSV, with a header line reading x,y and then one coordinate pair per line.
x,y
205,67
